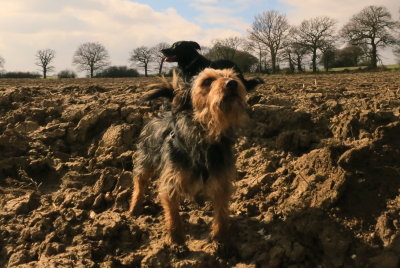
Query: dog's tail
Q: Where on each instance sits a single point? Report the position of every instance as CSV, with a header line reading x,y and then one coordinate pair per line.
x,y
251,84
164,88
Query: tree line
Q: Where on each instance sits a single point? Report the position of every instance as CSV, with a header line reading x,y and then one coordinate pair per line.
x,y
93,58
271,42
364,34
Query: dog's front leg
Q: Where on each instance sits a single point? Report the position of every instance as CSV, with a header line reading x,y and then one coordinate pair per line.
x,y
220,193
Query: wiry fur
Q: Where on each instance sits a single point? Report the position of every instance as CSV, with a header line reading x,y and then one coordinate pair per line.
x,y
191,149
164,88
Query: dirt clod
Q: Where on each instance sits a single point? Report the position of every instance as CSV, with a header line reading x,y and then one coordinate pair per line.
x,y
318,180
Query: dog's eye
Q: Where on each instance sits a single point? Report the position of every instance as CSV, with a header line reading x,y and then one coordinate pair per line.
x,y
207,82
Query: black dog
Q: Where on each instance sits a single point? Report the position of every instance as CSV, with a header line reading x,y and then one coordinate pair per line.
x,y
191,63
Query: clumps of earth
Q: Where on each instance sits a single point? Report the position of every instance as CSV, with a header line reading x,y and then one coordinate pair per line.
x,y
318,176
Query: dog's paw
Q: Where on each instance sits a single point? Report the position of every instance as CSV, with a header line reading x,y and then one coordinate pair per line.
x,y
259,80
136,210
179,250
224,249
175,238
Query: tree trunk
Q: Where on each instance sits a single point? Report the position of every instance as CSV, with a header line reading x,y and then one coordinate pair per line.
x,y
291,65
161,65
314,60
326,62
273,61
260,61
299,63
44,73
374,56
91,71
145,69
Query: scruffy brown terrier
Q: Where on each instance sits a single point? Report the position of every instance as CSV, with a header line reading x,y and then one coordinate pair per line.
x,y
191,150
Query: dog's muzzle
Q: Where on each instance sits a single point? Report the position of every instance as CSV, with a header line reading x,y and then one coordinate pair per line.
x,y
231,85
230,92
169,55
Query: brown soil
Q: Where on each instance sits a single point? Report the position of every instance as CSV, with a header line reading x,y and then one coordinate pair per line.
x,y
318,186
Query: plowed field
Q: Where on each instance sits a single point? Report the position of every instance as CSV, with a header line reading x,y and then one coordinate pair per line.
x,y
318,184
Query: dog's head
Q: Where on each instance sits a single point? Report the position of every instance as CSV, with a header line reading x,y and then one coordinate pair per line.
x,y
219,101
180,51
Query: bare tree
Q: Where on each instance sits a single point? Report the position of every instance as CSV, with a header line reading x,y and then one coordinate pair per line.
x,y
270,28
371,27
158,56
314,35
397,52
289,55
142,55
298,51
220,45
2,61
91,57
44,57
204,50
257,49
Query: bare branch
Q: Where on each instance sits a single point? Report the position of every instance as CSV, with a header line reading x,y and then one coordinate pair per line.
x,y
372,27
158,56
232,43
142,55
270,28
91,57
43,59
314,35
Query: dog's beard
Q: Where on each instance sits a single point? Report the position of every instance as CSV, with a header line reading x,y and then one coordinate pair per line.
x,y
231,110
222,115
231,101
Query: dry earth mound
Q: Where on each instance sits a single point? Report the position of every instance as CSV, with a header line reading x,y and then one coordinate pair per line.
x,y
318,185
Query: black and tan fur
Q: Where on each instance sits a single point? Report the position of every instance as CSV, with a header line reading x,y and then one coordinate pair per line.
x,y
189,149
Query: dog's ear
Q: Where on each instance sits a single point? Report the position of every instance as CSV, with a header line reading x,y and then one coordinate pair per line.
x,y
253,83
194,45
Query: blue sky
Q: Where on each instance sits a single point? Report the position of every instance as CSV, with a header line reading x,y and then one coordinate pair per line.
x,y
192,10
122,25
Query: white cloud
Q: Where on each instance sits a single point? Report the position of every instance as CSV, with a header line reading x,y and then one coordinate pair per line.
x,y
226,14
207,1
120,25
342,10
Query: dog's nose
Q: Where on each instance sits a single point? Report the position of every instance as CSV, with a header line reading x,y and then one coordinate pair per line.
x,y
231,84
